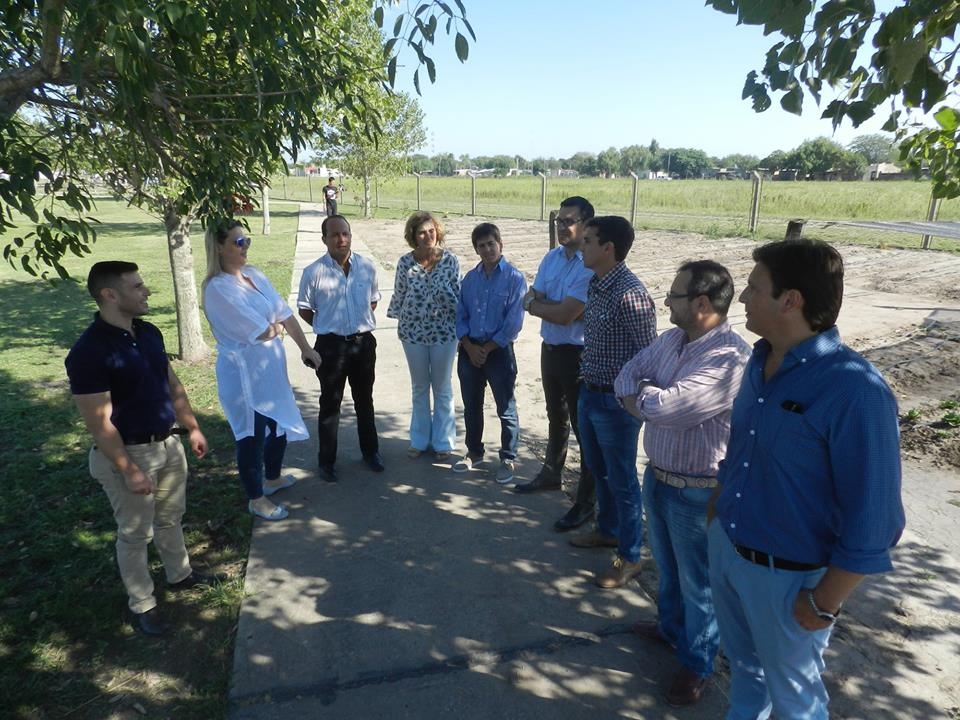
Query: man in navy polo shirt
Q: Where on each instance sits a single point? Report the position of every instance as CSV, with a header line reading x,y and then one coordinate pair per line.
x,y
129,398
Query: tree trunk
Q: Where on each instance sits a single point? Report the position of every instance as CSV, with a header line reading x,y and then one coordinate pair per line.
x,y
366,195
265,206
190,335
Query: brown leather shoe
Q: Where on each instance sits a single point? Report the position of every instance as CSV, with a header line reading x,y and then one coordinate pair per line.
x,y
593,540
649,630
619,574
686,689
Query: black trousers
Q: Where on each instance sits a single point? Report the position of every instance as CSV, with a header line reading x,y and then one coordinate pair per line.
x,y
352,358
560,375
331,208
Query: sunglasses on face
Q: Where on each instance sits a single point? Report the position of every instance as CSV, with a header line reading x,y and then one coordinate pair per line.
x,y
242,241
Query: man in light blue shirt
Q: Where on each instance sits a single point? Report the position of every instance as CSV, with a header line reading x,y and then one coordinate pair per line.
x,y
558,298
338,294
489,318
808,501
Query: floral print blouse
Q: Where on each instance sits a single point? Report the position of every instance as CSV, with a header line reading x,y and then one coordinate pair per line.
x,y
425,301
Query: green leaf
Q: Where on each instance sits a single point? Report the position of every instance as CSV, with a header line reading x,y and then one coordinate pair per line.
x,y
416,80
431,70
392,71
398,26
948,119
859,111
792,101
378,16
462,48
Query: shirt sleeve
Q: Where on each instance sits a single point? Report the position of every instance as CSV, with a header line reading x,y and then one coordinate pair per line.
x,y
305,295
639,317
463,309
513,317
578,289
865,466
86,371
698,396
632,373
399,290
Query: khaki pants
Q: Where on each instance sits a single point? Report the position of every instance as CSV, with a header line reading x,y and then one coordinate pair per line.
x,y
142,518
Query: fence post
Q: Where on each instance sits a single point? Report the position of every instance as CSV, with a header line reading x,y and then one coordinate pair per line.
x,y
543,204
633,203
417,176
376,194
284,179
933,212
473,194
553,229
310,186
755,201
266,208
794,229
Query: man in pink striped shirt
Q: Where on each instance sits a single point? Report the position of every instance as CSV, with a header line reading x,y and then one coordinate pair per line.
x,y
682,386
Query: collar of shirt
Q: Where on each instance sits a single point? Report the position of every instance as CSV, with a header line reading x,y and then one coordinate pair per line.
x,y
820,345
602,284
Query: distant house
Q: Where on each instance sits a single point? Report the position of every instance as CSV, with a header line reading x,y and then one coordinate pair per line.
x,y
885,171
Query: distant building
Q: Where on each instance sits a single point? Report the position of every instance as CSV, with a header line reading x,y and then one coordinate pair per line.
x,y
885,171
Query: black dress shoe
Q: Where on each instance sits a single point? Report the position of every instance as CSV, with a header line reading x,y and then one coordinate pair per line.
x,y
197,578
328,473
575,517
540,482
374,462
150,622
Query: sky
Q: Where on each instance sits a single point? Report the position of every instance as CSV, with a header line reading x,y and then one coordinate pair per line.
x,y
553,78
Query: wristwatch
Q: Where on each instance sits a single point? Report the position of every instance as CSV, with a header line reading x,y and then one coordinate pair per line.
x,y
820,613
528,302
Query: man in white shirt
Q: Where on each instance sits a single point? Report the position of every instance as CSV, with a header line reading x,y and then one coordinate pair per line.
x,y
338,294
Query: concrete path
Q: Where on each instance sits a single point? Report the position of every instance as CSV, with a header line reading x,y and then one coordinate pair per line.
x,y
417,593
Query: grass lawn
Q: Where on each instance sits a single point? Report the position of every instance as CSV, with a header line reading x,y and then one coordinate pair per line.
x,y
65,650
716,208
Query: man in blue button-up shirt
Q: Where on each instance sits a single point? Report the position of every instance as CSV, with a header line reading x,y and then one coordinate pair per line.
x,y
809,497
489,318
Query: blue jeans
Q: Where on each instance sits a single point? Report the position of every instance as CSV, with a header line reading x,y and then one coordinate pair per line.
x,y
431,367
500,371
677,531
774,663
260,455
608,441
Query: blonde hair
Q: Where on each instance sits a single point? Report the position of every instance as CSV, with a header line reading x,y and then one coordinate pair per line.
x,y
216,233
413,224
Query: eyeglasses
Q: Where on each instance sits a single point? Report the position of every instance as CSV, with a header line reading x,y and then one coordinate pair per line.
x,y
682,296
566,222
242,241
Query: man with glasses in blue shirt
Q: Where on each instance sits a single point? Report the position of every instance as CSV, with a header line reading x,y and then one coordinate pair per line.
x,y
489,318
558,297
809,500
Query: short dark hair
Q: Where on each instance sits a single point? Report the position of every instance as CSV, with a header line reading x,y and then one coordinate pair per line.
x,y
331,180
323,225
107,274
710,278
483,230
614,229
582,205
811,267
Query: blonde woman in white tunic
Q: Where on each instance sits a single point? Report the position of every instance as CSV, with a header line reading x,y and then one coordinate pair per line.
x,y
247,317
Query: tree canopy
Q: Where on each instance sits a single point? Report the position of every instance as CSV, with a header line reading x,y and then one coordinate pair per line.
x,y
911,69
206,94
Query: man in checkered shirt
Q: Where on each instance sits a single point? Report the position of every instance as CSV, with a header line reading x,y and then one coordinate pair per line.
x,y
619,320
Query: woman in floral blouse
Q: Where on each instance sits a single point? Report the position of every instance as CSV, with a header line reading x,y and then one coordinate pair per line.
x,y
424,302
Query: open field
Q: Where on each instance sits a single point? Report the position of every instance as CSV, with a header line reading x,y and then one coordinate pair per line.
x,y
64,650
712,207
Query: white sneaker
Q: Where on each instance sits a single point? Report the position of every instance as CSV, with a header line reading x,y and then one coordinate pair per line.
x,y
505,472
465,464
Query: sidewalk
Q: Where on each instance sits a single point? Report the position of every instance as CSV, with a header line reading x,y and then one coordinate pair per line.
x,y
417,593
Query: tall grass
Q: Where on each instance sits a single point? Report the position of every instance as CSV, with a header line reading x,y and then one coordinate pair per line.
x,y
712,207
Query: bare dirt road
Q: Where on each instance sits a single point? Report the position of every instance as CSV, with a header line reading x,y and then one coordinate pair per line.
x,y
897,654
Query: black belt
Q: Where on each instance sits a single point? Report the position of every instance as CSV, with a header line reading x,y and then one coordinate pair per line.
x,y
562,346
761,558
347,338
155,438
598,388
